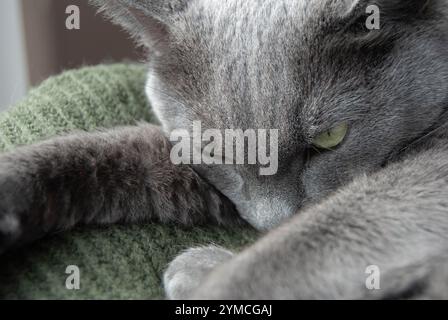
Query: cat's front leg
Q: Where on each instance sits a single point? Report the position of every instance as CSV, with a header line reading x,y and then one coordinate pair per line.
x,y
122,175
189,270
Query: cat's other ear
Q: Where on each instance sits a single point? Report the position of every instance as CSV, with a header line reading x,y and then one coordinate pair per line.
x,y
147,21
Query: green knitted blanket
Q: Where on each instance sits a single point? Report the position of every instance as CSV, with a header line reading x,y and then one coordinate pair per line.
x,y
117,262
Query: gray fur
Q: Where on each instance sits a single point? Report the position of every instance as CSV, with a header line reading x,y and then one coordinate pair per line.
x,y
293,66
123,175
386,219
303,67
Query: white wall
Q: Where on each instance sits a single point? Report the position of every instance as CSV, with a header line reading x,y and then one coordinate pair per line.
x,y
13,67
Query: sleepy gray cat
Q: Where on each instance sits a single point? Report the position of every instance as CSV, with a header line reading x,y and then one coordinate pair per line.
x,y
363,155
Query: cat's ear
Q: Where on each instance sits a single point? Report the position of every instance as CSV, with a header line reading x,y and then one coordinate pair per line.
x,y
147,21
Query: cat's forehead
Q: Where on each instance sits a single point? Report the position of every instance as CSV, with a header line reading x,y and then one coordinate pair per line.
x,y
261,21
264,65
251,54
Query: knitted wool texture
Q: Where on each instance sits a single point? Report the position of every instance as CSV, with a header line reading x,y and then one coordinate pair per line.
x,y
116,262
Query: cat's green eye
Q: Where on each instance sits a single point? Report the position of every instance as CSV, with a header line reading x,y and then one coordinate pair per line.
x,y
331,138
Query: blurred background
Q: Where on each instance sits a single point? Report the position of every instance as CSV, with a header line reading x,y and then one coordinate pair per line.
x,y
36,44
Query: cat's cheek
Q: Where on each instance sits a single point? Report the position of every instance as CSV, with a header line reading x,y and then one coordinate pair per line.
x,y
170,113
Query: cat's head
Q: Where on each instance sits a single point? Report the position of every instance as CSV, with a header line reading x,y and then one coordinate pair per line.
x,y
304,67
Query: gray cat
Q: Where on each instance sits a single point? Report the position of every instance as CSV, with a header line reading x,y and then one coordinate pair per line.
x,y
363,155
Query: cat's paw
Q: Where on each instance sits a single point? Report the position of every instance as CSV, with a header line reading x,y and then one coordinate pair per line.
x,y
15,203
187,271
